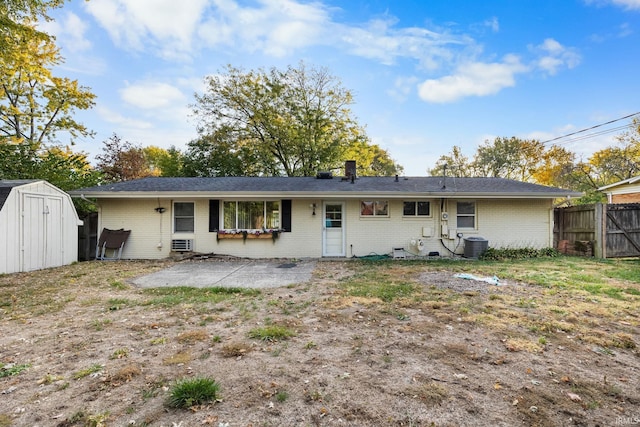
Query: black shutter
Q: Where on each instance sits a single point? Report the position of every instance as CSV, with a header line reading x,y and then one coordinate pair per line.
x,y
286,215
214,215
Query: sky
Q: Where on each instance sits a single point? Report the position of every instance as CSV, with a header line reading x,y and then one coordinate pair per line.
x,y
426,75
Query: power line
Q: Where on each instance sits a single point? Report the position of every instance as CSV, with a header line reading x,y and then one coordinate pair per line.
x,y
594,134
591,128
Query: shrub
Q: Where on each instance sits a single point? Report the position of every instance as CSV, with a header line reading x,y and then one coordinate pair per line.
x,y
493,254
193,391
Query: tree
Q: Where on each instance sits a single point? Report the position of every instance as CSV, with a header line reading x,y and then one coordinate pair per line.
x,y
455,163
122,161
163,162
371,160
511,158
15,18
35,105
293,122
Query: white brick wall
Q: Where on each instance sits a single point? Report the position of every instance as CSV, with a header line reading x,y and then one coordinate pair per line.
x,y
504,223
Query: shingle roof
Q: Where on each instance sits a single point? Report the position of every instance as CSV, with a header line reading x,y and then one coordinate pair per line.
x,y
311,186
6,185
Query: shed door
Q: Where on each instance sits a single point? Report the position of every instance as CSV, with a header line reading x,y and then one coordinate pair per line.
x,y
41,232
333,230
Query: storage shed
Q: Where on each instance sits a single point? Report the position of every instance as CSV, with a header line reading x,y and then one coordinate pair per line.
x,y
38,226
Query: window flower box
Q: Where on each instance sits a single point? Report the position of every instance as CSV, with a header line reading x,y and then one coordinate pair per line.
x,y
247,234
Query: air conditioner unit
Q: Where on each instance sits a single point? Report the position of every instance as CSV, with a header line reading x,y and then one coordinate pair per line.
x,y
445,216
182,245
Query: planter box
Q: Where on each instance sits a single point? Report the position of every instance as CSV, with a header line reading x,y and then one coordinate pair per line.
x,y
240,236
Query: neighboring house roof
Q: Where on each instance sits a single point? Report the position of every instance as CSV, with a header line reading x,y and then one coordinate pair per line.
x,y
620,183
6,185
309,187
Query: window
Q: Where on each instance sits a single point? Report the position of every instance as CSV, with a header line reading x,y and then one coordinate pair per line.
x,y
466,215
183,217
255,215
416,209
374,208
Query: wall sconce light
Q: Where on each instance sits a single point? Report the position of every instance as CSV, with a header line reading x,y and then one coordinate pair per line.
x,y
313,207
160,209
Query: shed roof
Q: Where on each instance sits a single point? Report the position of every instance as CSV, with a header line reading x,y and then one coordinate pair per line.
x,y
308,187
6,185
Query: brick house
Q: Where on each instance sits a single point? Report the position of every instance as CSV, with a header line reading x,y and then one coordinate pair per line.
x,y
626,191
324,216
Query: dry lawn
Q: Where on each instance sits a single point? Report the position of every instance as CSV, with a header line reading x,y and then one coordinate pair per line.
x,y
393,343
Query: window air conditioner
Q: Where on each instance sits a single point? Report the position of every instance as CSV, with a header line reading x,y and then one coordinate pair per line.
x,y
182,245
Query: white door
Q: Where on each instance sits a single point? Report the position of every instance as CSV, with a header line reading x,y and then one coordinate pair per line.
x,y
33,232
42,237
333,229
54,252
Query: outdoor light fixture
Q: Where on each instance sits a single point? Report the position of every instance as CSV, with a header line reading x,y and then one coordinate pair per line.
x,y
160,209
313,206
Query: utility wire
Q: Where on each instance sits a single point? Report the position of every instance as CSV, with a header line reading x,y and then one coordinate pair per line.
x,y
591,128
594,134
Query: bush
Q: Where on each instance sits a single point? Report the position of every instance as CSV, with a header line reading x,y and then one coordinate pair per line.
x,y
493,254
193,391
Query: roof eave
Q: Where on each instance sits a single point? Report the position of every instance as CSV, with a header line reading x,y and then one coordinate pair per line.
x,y
317,194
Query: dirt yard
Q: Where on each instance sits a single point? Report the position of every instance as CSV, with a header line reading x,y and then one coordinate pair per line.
x,y
371,344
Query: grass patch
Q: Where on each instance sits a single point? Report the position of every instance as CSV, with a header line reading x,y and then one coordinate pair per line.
x,y
271,333
168,297
93,369
11,369
385,290
192,392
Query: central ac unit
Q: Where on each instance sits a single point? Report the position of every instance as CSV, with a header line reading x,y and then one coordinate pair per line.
x,y
182,245
445,216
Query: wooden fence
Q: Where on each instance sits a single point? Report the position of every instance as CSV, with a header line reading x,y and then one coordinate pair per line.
x,y
600,230
88,237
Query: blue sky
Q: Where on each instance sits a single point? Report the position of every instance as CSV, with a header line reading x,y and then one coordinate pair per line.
x,y
426,75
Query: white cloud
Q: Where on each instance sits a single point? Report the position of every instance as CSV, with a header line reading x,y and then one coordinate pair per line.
x,y
554,56
402,88
472,79
627,4
69,31
166,24
379,39
118,119
152,95
275,27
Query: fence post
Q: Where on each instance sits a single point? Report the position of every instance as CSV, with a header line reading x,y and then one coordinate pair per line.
x,y
600,235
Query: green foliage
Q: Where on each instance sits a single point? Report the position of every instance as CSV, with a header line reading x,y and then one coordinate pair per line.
x,y
10,370
292,122
35,105
189,295
378,283
517,253
193,391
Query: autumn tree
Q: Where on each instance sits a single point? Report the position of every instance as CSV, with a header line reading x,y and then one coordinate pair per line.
x,y
35,105
122,161
164,162
371,159
610,165
453,164
291,122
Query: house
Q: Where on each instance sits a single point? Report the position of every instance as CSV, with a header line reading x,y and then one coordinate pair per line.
x,y
38,226
626,191
324,216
